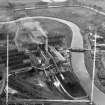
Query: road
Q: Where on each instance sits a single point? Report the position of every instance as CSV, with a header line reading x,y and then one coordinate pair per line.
x,y
78,62
83,6
95,10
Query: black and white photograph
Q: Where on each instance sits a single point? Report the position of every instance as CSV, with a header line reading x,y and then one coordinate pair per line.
x,y
52,52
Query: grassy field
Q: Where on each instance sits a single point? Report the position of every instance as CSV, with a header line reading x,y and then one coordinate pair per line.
x,y
100,3
82,17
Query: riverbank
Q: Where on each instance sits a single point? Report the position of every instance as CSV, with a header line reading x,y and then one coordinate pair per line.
x,y
89,63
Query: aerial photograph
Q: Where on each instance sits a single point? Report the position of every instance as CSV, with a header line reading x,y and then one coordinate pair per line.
x,y
52,52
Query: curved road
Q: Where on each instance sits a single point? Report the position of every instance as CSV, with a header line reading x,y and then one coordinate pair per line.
x,y
95,10
84,6
78,63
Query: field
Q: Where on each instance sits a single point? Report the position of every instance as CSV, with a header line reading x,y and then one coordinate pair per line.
x,y
99,3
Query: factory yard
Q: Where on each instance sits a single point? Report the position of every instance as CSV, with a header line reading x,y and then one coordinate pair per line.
x,y
52,56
